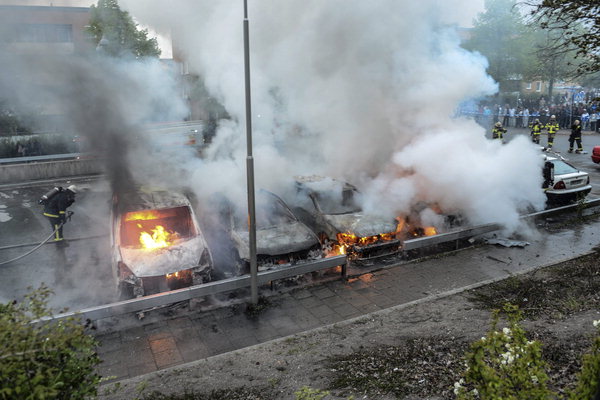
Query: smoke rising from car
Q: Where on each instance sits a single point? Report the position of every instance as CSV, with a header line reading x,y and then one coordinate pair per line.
x,y
356,90
109,104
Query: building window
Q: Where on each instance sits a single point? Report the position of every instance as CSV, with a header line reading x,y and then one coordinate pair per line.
x,y
43,33
528,86
538,86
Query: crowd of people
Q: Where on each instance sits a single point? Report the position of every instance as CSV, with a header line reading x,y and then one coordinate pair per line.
x,y
588,113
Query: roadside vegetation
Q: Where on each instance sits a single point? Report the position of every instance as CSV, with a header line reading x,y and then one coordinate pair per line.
x,y
44,360
547,366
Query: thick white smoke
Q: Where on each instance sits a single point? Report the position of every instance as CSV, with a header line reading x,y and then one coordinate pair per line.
x,y
363,91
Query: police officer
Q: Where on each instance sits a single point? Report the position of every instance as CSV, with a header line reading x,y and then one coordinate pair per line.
x,y
536,130
575,136
552,127
498,131
55,209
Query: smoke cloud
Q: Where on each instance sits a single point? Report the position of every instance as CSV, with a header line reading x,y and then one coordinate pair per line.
x,y
362,91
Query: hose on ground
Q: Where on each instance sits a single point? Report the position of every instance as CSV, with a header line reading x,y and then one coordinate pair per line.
x,y
41,244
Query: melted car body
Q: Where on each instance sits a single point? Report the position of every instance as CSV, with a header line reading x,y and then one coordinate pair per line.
x,y
281,238
331,208
157,244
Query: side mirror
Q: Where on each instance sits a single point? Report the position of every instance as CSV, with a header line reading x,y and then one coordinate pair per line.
x,y
548,174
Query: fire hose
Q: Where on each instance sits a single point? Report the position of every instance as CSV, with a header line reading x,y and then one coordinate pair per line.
x,y
68,218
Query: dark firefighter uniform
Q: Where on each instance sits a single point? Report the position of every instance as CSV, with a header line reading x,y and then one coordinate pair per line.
x,y
498,131
56,210
552,127
536,130
575,137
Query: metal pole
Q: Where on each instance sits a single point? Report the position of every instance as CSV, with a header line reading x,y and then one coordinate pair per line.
x,y
250,166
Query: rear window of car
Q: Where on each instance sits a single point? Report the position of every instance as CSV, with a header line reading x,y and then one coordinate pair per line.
x,y
562,168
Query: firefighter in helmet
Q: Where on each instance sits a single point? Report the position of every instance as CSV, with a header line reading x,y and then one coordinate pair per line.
x,y
536,130
498,131
552,127
575,137
56,203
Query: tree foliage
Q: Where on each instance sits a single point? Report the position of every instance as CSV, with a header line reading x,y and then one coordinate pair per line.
x,y
115,32
579,21
502,36
44,360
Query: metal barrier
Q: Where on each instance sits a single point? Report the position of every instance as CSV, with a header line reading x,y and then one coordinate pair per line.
x,y
225,285
47,158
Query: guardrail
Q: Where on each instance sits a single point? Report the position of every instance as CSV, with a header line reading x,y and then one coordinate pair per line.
x,y
47,158
206,289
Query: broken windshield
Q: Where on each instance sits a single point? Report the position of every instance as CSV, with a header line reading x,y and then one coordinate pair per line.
x,y
344,201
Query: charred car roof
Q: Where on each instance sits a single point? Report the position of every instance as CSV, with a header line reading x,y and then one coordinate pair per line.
x,y
149,199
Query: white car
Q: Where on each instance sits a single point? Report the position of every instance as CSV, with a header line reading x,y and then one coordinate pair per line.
x,y
563,183
157,244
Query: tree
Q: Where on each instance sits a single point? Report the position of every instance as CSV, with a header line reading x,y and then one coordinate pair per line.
x,y
115,32
502,36
44,360
555,57
580,22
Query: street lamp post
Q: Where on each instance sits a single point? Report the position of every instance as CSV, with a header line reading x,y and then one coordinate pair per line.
x,y
250,166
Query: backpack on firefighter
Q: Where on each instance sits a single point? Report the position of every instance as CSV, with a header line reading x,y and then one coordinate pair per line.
x,y
49,195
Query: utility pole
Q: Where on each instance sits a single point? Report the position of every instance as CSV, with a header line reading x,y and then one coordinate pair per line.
x,y
250,166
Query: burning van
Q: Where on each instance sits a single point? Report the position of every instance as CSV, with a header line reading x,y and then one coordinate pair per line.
x,y
157,244
281,239
332,209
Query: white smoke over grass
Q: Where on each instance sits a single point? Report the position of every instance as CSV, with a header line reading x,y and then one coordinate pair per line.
x,y
363,91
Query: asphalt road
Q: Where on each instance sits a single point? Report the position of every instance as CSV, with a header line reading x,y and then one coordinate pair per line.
x,y
80,275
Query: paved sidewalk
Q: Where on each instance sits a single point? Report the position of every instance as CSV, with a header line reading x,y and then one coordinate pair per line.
x,y
146,346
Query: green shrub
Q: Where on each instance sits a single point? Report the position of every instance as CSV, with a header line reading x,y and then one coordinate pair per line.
x,y
588,384
504,365
44,360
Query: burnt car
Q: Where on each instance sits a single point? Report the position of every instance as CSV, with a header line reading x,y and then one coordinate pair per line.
x,y
281,239
157,243
332,209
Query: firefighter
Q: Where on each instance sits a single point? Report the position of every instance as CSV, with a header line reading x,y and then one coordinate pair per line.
x,y
536,130
55,209
498,131
552,127
575,137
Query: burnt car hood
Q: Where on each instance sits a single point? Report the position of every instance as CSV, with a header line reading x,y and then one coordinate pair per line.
x,y
361,225
276,240
182,255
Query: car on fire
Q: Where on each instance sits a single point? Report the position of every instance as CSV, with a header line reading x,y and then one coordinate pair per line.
x,y
281,239
563,183
331,208
157,243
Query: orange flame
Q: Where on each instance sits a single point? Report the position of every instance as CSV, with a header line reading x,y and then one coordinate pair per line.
x,y
142,215
430,231
158,239
403,229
